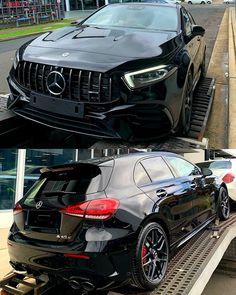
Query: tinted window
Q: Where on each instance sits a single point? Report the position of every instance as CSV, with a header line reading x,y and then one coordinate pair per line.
x,y
149,17
183,167
157,169
216,165
140,175
70,186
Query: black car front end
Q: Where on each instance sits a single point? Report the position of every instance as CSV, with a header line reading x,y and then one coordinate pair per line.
x,y
94,103
110,81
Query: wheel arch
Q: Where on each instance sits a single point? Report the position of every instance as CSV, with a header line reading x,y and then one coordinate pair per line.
x,y
155,218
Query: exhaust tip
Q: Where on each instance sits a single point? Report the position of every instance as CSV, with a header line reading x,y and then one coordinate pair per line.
x,y
74,284
88,286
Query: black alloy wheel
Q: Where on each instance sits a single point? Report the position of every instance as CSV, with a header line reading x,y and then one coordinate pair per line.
x,y
187,105
224,204
151,258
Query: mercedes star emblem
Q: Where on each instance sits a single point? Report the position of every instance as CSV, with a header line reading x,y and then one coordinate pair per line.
x,y
56,83
39,204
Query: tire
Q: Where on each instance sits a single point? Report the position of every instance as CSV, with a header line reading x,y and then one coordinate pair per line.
x,y
223,204
151,257
186,112
190,2
203,2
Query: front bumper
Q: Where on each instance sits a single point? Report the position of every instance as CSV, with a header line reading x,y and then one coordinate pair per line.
x,y
133,122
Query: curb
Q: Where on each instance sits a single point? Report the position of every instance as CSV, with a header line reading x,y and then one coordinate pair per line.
x,y
232,78
20,37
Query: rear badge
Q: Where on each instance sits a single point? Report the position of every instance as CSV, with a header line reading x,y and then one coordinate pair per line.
x,y
39,205
65,237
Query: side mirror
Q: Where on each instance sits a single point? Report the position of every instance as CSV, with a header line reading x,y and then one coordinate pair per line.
x,y
198,30
206,171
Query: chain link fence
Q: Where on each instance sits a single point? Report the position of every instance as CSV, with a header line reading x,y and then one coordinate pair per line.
x,y
17,13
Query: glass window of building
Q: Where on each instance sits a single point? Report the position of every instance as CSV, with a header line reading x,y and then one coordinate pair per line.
x,y
8,165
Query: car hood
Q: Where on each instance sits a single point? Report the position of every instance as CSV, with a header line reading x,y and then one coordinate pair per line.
x,y
100,49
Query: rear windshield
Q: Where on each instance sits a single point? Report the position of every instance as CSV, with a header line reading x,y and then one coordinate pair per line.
x,y
69,186
216,165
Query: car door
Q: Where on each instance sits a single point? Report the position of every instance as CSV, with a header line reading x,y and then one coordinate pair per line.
x,y
203,202
194,44
171,195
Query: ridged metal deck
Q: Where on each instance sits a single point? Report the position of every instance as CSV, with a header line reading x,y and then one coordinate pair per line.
x,y
203,97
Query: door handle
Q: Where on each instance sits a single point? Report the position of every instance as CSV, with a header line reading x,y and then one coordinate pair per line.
x,y
161,193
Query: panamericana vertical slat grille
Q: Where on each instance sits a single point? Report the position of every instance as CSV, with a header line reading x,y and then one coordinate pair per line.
x,y
81,85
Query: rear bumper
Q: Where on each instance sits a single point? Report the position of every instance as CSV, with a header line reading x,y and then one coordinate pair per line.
x,y
132,122
100,268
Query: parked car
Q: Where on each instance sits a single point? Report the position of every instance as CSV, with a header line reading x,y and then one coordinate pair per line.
x,y
127,71
226,170
199,1
107,222
228,1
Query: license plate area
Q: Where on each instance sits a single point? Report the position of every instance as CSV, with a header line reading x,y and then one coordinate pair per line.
x,y
57,105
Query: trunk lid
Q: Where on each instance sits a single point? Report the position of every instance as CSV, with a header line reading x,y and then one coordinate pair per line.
x,y
58,188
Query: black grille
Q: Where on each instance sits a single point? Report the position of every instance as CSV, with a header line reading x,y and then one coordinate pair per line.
x,y
81,85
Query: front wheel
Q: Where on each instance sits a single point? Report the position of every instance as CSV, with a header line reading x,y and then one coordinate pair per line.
x,y
223,204
186,112
151,258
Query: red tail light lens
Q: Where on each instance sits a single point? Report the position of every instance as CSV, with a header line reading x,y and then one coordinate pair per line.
x,y
229,177
17,209
100,209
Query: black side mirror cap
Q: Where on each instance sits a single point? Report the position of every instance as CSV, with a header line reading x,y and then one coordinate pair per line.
x,y
206,172
198,30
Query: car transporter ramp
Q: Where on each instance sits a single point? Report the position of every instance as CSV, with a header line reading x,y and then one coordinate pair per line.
x,y
11,126
188,272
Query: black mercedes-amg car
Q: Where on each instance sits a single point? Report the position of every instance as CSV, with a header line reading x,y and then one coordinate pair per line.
x,y
101,224
127,71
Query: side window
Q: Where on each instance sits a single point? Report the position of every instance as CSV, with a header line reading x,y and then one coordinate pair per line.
x,y
140,175
187,23
183,167
157,169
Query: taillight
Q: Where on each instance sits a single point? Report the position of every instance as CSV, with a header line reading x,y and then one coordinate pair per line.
x,y
17,209
99,209
229,177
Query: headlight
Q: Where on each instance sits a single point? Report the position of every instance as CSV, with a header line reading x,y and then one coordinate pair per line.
x,y
147,76
16,59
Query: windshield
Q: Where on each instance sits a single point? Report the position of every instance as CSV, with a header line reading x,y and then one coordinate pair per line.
x,y
149,17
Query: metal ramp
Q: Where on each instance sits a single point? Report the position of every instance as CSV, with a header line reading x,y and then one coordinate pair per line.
x,y
202,101
18,284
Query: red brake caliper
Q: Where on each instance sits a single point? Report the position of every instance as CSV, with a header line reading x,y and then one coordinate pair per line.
x,y
144,253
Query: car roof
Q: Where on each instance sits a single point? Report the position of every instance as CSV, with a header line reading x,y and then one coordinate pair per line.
x,y
133,157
